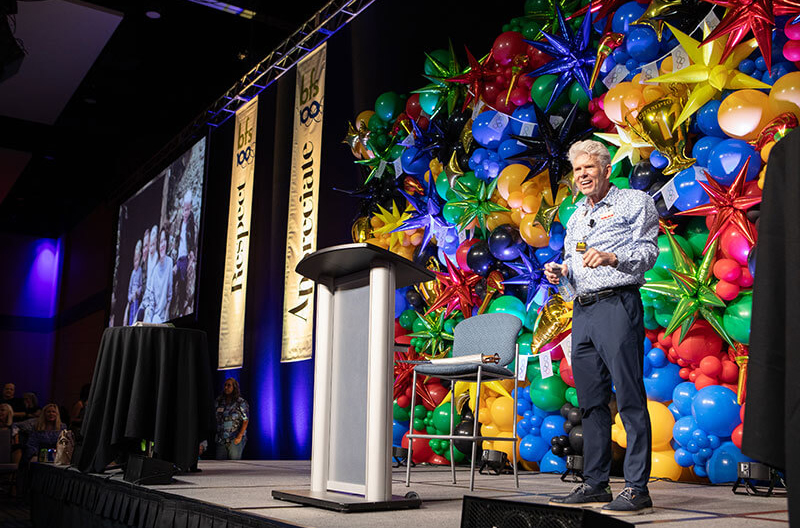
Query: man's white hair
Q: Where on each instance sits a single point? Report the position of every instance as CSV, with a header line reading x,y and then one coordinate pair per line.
x,y
593,149
187,197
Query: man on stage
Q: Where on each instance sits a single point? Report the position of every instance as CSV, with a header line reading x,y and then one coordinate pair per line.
x,y
610,243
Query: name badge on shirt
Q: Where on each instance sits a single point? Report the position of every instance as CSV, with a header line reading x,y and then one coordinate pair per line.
x,y
580,247
608,213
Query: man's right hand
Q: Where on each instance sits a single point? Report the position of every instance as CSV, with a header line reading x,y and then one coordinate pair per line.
x,y
553,272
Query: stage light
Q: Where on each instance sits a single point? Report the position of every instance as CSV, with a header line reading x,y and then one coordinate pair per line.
x,y
227,8
494,461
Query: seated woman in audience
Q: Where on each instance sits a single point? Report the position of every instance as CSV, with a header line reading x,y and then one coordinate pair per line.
x,y
7,422
45,433
32,409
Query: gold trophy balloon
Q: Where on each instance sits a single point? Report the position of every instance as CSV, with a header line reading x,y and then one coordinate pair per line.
x,y
655,124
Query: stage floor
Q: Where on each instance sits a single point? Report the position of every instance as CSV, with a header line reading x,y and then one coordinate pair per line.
x,y
246,486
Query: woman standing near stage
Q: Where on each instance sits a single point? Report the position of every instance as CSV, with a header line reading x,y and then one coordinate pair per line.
x,y
233,415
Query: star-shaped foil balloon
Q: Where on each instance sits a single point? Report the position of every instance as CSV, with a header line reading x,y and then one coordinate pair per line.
x,y
449,92
381,164
547,17
710,72
438,342
573,57
427,215
629,145
404,373
546,215
531,273
600,9
458,290
787,7
656,12
741,17
476,77
391,221
729,205
692,287
476,203
375,193
358,141
548,149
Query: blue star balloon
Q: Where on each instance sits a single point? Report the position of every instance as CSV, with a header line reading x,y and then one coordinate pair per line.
x,y
573,56
428,213
531,273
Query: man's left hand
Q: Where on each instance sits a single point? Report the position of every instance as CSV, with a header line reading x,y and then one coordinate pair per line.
x,y
594,259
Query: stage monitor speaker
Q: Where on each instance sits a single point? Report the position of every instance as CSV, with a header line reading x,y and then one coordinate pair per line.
x,y
148,471
477,512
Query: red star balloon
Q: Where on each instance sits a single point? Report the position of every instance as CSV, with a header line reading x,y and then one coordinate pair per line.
x,y
403,374
476,77
458,290
786,7
729,206
741,17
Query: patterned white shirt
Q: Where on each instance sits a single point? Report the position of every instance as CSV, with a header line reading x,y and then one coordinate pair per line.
x,y
624,222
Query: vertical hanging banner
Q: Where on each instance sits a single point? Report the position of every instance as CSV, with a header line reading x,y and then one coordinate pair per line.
x,y
301,228
234,287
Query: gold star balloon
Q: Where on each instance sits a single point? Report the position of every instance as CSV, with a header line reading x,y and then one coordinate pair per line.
x,y
711,72
628,144
391,221
729,205
655,13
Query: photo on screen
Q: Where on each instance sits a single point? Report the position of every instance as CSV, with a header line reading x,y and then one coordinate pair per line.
x,y
157,254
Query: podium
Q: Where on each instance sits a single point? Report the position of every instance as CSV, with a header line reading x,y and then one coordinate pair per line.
x,y
353,371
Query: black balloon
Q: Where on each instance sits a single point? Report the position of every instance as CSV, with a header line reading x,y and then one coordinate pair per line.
x,y
574,416
465,428
480,259
480,288
557,450
563,440
565,409
505,242
415,299
568,451
554,441
422,256
520,291
576,439
568,426
643,175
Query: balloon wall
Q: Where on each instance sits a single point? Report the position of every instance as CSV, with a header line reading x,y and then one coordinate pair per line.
x,y
468,175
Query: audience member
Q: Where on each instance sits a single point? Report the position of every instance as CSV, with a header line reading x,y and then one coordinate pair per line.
x,y
45,432
79,409
158,296
233,415
31,403
9,389
135,288
186,254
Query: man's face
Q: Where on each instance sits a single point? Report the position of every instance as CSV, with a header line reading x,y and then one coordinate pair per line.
x,y
162,245
153,245
146,243
187,208
590,178
8,391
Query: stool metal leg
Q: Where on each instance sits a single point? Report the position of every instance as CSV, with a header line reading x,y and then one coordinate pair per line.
x,y
514,445
477,413
411,427
452,419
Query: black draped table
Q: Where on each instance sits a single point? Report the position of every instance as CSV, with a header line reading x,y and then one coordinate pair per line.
x,y
149,383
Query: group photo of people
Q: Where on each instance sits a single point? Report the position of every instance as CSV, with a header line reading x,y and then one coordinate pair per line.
x,y
157,237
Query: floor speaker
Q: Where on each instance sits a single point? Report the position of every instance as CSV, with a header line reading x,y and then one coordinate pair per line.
x,y
148,471
477,512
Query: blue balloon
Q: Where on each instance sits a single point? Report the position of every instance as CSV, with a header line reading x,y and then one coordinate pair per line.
x,y
523,427
683,457
552,464
747,66
557,234
760,63
510,147
728,157
631,64
552,426
707,119
683,429
657,358
626,15
398,430
658,160
620,55
715,410
486,132
674,410
524,114
544,254
682,397
662,381
690,194
533,447
702,149
414,161
723,465
641,42
400,302
700,471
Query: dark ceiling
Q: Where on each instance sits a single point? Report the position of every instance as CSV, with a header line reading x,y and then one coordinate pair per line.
x,y
61,159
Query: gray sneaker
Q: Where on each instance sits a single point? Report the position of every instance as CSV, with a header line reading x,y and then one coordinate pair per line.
x,y
629,502
585,495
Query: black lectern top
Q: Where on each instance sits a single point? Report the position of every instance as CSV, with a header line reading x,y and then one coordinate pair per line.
x,y
347,259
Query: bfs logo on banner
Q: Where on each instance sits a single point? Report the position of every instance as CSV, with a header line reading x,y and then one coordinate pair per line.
x,y
310,113
246,152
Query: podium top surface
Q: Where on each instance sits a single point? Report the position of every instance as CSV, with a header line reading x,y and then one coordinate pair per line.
x,y
348,259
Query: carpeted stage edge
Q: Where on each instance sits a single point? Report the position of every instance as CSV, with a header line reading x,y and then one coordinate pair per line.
x,y
68,498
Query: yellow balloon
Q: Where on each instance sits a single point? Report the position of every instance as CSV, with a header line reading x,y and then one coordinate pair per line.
x,y
511,178
618,434
489,429
515,199
622,99
666,66
532,232
498,219
744,113
785,94
661,423
362,120
503,413
531,203
506,447
663,465
516,216
362,229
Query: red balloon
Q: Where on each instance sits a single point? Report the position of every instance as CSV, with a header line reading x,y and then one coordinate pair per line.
x,y
520,96
413,108
736,435
730,372
734,245
665,338
526,82
500,103
701,340
565,370
507,46
685,373
792,29
438,392
403,401
490,91
741,412
731,386
745,280
727,290
702,381
421,451
461,253
600,120
693,376
711,366
727,270
438,460
537,58
423,122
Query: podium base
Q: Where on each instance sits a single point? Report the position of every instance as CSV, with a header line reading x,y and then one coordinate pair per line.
x,y
347,503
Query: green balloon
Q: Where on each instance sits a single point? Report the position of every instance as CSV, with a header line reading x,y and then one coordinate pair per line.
x,y
537,7
542,89
401,414
458,456
665,260
508,304
697,234
428,102
736,319
419,424
571,394
565,210
577,95
548,394
530,31
419,325
530,317
441,418
467,181
442,56
442,185
621,183
396,152
407,318
380,141
452,213
524,343
388,106
377,125
664,315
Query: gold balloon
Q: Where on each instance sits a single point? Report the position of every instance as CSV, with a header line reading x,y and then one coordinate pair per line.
x,y
429,290
362,229
655,11
655,124
553,319
546,215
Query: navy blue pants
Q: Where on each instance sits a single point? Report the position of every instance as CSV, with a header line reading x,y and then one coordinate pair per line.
x,y
608,347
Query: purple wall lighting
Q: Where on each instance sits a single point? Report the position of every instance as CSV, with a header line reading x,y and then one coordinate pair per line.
x,y
39,296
